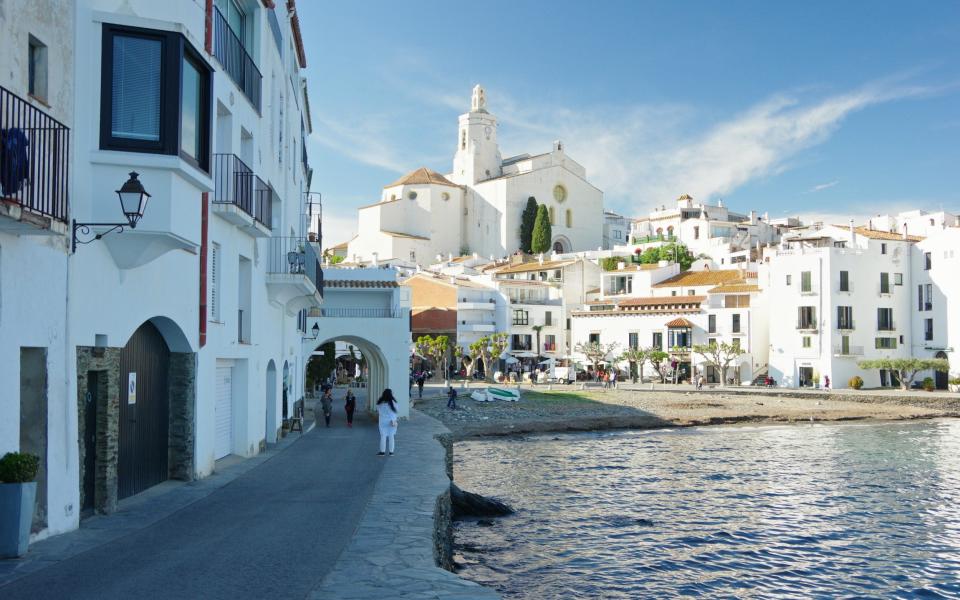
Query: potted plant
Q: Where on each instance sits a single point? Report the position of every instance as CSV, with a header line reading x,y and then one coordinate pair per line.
x,y
18,494
856,382
816,379
928,384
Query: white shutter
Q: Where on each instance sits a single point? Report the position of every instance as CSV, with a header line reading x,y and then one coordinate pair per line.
x,y
215,282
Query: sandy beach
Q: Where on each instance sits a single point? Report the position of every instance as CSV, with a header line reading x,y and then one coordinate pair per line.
x,y
572,409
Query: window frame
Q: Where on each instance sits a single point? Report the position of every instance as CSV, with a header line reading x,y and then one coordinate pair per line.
x,y
174,50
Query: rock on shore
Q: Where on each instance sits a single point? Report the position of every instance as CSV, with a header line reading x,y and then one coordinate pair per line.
x,y
467,505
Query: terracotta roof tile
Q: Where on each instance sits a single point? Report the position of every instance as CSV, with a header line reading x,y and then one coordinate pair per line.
x,y
679,322
697,278
422,176
358,283
534,266
737,287
432,320
875,234
408,236
662,300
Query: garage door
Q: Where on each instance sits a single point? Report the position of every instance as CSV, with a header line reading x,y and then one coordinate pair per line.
x,y
223,444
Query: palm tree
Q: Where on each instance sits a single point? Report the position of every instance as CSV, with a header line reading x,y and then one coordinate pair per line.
x,y
538,328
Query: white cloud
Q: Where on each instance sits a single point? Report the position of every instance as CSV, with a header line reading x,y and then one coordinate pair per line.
x,y
822,186
367,141
337,227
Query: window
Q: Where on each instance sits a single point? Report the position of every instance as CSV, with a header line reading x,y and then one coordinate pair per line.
x,y
712,324
553,215
679,338
928,329
928,296
155,95
37,69
883,248
806,282
845,345
412,195
658,340
711,341
927,261
806,317
885,343
550,343
885,319
735,325
673,292
521,317
735,342
844,281
521,342
617,234
633,340
898,279
594,338
236,19
844,317
884,283
788,280
569,218
548,318
215,282
696,232
736,301
806,341
691,292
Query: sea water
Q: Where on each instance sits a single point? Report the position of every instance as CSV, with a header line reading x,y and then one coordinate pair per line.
x,y
828,511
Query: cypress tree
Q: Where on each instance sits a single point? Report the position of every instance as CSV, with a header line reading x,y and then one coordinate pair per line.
x,y
542,233
526,224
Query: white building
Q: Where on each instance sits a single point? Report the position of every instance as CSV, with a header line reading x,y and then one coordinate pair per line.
x,y
150,352
616,230
841,295
934,264
725,236
478,206
653,306
914,222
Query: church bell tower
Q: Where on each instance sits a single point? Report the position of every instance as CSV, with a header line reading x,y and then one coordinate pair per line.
x,y
478,156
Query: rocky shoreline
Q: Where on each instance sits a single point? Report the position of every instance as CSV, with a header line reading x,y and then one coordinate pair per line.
x,y
567,410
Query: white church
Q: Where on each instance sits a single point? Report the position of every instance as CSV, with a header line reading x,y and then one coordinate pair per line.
x,y
477,207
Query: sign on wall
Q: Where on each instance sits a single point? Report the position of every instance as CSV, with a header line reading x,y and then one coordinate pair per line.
x,y
132,389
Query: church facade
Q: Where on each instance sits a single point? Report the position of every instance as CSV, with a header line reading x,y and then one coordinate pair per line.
x,y
477,207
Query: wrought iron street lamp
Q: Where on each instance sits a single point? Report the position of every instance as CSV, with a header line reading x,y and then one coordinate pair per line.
x,y
133,203
316,332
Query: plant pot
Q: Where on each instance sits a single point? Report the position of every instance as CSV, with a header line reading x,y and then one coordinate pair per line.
x,y
16,515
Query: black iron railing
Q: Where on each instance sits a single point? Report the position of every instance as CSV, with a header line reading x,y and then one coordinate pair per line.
x,y
233,182
353,312
295,256
264,202
34,158
232,54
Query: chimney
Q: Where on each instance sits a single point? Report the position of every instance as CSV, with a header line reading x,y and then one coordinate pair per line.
x,y
376,262
621,266
753,217
905,236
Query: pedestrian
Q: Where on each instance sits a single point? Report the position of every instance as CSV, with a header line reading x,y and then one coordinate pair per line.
x,y
613,379
700,382
451,398
387,408
326,402
350,405
826,382
421,378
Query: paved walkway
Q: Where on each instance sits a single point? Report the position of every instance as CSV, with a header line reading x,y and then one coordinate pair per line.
x,y
269,527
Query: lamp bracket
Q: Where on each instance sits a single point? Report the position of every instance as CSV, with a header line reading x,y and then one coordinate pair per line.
x,y
84,229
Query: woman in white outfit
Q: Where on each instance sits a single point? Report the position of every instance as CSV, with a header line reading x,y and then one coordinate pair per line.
x,y
387,407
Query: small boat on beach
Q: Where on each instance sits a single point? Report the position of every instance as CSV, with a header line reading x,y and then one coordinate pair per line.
x,y
493,394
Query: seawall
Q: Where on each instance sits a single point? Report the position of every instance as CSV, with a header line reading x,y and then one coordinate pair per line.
x,y
402,546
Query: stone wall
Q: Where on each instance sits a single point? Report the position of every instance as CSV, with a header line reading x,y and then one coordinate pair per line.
x,y
183,407
443,532
105,363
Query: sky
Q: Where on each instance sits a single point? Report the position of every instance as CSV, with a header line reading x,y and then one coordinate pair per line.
x,y
827,110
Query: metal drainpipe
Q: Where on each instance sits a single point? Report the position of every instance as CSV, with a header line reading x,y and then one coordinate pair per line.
x,y
203,267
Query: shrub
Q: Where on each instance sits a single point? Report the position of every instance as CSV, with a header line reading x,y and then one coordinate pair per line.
x,y
856,382
16,467
928,384
955,380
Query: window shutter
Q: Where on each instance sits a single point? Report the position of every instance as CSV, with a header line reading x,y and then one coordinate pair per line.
x,y
136,88
215,282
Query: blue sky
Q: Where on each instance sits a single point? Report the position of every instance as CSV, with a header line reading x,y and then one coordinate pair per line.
x,y
829,110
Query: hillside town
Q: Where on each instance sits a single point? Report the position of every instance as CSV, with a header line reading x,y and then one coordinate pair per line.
x,y
170,305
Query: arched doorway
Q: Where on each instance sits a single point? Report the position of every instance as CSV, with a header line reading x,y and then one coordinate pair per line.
x,y
271,426
941,378
561,244
374,370
285,390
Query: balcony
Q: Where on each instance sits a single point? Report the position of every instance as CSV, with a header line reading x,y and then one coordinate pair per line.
x,y
294,275
845,326
477,327
841,350
34,169
240,197
238,64
464,305
350,312
886,326
806,326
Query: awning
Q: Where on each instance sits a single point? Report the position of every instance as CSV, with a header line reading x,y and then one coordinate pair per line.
x,y
524,354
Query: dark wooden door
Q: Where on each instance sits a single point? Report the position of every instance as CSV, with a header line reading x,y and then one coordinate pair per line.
x,y
90,442
144,412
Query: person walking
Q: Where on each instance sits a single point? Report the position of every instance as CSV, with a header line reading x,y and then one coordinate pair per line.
x,y
613,378
451,397
326,402
350,405
421,378
387,409
700,382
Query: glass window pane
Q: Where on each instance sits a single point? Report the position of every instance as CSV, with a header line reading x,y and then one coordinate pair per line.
x,y
136,88
190,130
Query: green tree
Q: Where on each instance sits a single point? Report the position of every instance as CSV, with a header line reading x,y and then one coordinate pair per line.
x,y
320,367
719,355
650,256
658,360
611,263
487,349
675,252
636,357
542,233
438,354
336,259
527,220
595,351
907,368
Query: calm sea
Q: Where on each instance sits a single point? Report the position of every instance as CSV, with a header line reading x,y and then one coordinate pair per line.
x,y
812,511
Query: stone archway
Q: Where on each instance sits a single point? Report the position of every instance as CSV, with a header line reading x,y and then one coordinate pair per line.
x,y
378,368
561,244
154,373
